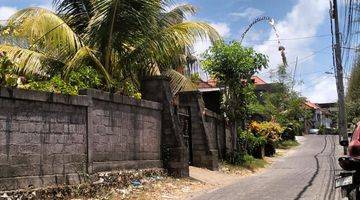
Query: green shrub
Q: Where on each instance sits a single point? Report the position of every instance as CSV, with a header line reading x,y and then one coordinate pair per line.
x,y
270,130
83,78
290,132
246,161
286,144
56,85
250,143
322,130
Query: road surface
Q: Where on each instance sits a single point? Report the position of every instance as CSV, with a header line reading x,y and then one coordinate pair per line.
x,y
307,173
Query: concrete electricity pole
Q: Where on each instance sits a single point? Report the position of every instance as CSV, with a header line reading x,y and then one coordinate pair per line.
x,y
339,77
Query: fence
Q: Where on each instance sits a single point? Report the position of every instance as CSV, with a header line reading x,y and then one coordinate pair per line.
x,y
48,139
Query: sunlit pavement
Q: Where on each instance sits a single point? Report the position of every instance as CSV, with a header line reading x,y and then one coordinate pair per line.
x,y
307,173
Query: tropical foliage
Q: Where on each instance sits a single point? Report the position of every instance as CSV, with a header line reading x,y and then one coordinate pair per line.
x,y
353,95
283,105
233,66
122,40
270,130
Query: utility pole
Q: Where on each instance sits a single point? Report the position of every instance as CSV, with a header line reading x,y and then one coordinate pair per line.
x,y
339,76
293,78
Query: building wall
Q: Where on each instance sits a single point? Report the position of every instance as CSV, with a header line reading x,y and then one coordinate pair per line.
x,y
48,139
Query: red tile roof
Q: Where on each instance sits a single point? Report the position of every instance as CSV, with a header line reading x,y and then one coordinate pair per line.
x,y
212,83
202,84
312,105
257,80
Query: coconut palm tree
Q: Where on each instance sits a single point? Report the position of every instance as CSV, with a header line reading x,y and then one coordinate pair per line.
x,y
123,40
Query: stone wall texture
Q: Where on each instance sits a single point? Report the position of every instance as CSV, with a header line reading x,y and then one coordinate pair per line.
x,y
217,131
124,133
48,139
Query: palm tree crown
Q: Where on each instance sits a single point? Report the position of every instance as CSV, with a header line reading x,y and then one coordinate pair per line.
x,y
122,40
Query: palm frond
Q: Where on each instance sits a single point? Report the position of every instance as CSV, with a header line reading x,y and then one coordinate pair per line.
x,y
76,13
176,15
178,82
26,61
45,31
83,56
116,23
162,46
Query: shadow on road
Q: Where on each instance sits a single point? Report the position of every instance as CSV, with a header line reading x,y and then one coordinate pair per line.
x,y
310,183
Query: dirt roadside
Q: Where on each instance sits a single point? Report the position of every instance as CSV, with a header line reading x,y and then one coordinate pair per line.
x,y
200,181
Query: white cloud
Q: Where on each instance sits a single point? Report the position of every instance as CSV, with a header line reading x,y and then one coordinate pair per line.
x,y
6,12
222,28
303,20
321,89
202,45
249,13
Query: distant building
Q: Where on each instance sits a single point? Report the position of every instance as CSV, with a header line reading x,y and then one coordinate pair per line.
x,y
333,109
212,95
320,116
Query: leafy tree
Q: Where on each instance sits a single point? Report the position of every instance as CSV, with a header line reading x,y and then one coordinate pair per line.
x,y
233,66
353,95
283,105
122,40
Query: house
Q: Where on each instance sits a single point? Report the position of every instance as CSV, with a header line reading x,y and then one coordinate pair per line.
x,y
320,116
262,87
333,109
212,95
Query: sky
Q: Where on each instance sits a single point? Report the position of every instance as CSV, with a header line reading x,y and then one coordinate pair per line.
x,y
303,27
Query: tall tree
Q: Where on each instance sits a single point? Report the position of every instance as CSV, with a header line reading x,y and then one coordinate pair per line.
x,y
353,94
233,66
122,39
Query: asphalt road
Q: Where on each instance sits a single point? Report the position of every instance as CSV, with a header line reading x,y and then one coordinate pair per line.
x,y
306,173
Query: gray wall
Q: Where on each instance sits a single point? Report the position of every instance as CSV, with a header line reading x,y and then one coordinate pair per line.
x,y
204,148
217,132
48,139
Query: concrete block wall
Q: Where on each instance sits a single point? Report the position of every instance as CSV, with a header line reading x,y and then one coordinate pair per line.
x,y
126,133
204,148
174,152
216,126
42,138
48,139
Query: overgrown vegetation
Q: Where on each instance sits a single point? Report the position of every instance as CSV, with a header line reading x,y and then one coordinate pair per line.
x,y
233,65
120,41
353,95
283,105
248,163
281,110
287,144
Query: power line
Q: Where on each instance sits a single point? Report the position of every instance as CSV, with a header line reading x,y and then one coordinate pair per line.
x,y
296,38
311,55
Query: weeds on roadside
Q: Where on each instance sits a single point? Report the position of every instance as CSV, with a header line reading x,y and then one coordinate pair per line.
x,y
287,144
248,162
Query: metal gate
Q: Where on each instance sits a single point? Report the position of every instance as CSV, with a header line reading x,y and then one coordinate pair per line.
x,y
185,126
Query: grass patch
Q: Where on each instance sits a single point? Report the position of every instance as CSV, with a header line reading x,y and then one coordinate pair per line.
x,y
252,163
249,163
287,144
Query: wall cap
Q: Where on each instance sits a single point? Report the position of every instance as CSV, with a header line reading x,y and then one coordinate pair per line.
x,y
121,99
33,95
